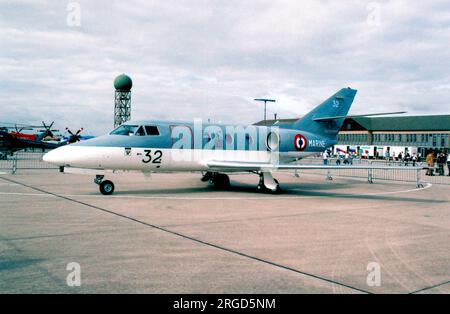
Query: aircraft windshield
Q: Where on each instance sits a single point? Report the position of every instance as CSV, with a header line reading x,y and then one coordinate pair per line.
x,y
137,130
125,130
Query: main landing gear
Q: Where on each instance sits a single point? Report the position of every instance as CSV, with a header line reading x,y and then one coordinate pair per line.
x,y
106,187
219,180
268,184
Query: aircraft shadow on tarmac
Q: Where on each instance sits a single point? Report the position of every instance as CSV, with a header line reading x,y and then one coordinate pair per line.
x,y
235,187
288,189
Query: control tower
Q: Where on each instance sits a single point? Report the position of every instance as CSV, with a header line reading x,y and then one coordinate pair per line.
x,y
122,99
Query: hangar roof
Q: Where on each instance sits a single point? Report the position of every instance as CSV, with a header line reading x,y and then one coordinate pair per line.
x,y
403,123
407,123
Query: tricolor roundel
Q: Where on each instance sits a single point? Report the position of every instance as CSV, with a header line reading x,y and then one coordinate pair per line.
x,y
300,142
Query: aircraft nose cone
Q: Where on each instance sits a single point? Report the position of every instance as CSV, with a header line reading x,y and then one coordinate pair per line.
x,y
54,157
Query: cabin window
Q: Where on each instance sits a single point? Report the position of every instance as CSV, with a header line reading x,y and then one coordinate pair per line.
x,y
151,130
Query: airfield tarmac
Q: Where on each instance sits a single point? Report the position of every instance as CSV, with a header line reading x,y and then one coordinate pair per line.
x,y
172,233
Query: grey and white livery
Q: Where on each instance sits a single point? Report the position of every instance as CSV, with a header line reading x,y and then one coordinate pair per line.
x,y
215,150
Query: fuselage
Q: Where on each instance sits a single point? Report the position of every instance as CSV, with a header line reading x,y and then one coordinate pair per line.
x,y
187,146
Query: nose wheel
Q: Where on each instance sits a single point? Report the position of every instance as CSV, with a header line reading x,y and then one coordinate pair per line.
x,y
106,187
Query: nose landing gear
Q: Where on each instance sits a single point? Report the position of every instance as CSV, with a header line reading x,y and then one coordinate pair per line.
x,y
106,187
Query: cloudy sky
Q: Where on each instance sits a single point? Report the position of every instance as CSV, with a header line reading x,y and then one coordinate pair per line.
x,y
209,59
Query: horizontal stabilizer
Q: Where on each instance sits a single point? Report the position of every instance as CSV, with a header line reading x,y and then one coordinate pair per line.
x,y
356,116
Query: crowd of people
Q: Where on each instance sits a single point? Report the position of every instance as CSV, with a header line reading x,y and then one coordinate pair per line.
x,y
346,159
436,162
407,158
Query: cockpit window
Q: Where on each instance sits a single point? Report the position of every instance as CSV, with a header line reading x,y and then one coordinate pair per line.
x,y
125,130
140,132
130,130
151,130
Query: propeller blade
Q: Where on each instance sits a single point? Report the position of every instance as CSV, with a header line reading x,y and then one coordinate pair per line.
x,y
70,132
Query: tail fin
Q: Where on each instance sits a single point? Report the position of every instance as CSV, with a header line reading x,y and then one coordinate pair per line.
x,y
337,106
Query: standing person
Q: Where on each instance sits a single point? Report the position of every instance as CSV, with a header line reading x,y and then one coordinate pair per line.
x,y
350,159
448,164
346,158
441,161
325,158
414,160
430,163
338,159
407,156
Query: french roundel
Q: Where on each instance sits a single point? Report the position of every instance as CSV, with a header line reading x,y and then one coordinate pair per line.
x,y
300,142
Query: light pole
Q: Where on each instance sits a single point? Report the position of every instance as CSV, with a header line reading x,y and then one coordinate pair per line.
x,y
265,100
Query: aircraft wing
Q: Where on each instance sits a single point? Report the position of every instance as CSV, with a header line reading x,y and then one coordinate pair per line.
x,y
257,166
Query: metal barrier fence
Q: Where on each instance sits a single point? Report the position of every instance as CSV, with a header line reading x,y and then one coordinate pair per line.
x,y
400,171
25,161
33,160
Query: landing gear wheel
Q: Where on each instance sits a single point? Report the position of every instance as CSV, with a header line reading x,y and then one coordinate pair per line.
x,y
221,181
207,176
262,188
277,189
106,187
